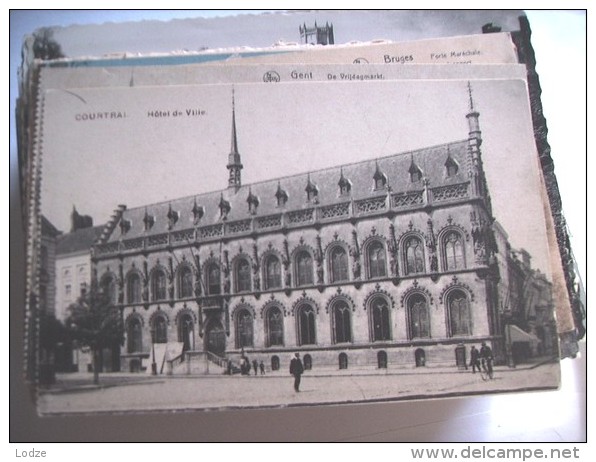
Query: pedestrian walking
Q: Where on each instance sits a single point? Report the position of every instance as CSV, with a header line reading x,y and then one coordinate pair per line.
x,y
262,367
296,369
255,365
474,359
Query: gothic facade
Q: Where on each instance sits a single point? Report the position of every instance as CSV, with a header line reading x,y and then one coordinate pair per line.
x,y
377,264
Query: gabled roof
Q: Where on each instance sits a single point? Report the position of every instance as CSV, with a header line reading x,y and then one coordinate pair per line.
x,y
431,162
48,229
78,241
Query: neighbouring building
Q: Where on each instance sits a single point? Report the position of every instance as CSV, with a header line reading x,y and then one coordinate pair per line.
x,y
73,276
378,264
317,35
41,344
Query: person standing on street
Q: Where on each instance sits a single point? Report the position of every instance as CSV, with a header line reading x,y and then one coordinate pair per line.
x,y
296,369
255,365
262,367
474,359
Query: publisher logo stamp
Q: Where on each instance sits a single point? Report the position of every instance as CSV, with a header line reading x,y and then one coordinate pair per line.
x,y
271,76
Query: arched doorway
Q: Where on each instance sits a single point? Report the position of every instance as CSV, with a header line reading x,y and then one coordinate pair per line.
x,y
420,357
215,338
382,360
307,362
186,332
343,361
275,363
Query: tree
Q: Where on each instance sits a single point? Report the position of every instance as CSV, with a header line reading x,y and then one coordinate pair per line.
x,y
51,333
44,45
96,323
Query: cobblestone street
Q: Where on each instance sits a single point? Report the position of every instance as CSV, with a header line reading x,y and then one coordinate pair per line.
x,y
120,392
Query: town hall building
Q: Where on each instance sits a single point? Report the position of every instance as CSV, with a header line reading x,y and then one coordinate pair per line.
x,y
383,263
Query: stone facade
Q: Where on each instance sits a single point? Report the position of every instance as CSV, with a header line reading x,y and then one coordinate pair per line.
x,y
383,263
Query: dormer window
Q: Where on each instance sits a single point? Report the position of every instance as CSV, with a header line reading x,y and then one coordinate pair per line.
x,y
224,208
148,221
253,203
451,166
197,212
172,217
281,196
415,172
380,180
312,191
125,226
344,185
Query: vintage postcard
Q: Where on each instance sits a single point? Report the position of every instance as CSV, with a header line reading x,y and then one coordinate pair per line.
x,y
245,241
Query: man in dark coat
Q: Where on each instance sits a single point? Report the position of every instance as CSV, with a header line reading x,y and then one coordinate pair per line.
x,y
486,355
255,365
474,359
296,369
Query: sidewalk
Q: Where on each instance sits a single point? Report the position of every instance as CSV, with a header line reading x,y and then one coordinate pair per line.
x,y
125,392
81,381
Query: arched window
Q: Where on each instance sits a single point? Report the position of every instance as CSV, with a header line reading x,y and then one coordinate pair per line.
x,y
274,327
339,264
343,361
419,323
242,276
213,279
379,314
459,313
415,175
272,272
451,166
307,362
133,288
304,269
158,285
377,266
160,329
454,251
306,325
134,334
382,360
108,286
420,357
414,255
274,363
185,283
186,331
244,329
342,331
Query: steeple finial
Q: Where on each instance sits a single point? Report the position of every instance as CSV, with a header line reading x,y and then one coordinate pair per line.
x,y
234,162
470,96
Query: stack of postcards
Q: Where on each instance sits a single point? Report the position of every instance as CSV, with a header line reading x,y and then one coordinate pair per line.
x,y
299,209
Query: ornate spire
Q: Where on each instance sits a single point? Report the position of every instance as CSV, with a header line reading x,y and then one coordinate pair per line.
x,y
470,96
474,135
234,162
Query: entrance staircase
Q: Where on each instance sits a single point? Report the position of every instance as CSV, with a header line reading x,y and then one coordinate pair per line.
x,y
201,363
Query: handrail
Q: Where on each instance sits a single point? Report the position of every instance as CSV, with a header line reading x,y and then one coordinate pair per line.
x,y
222,362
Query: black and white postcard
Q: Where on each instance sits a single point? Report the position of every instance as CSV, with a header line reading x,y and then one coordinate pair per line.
x,y
281,236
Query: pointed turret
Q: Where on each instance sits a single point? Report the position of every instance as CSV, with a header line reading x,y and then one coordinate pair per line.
x,y
234,162
474,135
